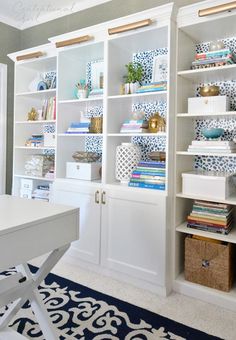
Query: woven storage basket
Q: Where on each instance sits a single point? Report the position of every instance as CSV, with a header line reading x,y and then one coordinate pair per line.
x,y
209,264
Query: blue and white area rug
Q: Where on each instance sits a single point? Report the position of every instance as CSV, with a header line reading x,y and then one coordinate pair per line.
x,y
82,313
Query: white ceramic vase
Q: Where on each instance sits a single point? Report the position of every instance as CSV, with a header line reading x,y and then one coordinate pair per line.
x,y
128,155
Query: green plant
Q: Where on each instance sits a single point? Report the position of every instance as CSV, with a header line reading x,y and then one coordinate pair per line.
x,y
135,72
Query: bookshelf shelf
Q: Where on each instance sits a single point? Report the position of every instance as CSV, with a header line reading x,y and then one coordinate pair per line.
x,y
78,101
67,135
207,116
43,93
220,73
36,178
163,134
35,148
148,95
231,237
218,154
40,122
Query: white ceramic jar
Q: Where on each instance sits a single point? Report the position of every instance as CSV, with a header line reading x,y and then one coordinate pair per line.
x,y
128,155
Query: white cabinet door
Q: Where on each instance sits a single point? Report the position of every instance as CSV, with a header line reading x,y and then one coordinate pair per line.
x,y
134,234
88,246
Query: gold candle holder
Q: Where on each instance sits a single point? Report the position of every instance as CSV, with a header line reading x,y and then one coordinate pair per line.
x,y
96,125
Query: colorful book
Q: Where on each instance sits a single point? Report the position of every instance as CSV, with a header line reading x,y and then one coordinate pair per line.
x,y
147,185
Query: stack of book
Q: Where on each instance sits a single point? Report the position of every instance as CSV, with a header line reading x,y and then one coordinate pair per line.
x,y
212,217
36,140
153,87
95,93
150,175
209,146
134,126
49,109
78,127
41,193
214,58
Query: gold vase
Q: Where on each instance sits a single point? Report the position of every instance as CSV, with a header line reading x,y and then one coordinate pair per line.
x,y
96,125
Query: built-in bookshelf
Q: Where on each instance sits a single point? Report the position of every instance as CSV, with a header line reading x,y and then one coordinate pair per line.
x,y
194,36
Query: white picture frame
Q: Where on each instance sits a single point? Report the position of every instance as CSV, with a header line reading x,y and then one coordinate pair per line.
x,y
97,68
160,68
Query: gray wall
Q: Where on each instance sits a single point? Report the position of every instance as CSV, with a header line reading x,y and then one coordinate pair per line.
x,y
9,42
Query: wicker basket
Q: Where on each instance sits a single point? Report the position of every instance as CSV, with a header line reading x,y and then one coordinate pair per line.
x,y
209,264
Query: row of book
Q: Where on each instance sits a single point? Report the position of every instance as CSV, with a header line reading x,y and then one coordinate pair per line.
x,y
36,140
49,109
134,126
218,146
149,175
214,58
41,193
153,87
78,127
212,217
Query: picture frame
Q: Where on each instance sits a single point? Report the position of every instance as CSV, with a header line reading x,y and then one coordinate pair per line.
x,y
97,73
160,68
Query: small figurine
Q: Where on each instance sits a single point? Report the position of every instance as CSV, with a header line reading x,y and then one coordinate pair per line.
x,y
33,114
156,123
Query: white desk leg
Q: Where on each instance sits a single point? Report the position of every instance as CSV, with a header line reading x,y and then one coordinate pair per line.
x,y
34,296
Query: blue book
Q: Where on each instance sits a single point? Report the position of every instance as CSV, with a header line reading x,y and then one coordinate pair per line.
x,y
152,164
149,173
77,125
147,185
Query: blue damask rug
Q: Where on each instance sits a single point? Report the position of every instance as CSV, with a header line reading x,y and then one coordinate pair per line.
x,y
82,313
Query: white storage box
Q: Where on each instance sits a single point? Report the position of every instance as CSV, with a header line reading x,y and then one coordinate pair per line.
x,y
49,139
26,184
213,185
84,171
212,104
26,193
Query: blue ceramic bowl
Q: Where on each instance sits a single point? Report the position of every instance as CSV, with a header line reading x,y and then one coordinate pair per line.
x,y
212,133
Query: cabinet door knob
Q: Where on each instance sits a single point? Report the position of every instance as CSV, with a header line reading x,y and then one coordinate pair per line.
x,y
103,197
97,197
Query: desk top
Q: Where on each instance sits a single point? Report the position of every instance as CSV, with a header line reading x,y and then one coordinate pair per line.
x,y
19,213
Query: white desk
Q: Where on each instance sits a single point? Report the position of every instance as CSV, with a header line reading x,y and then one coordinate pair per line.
x,y
29,229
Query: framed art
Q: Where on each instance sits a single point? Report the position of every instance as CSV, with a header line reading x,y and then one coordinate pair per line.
x,y
160,68
97,70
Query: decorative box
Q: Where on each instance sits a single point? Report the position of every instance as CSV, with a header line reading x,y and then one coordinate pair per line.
x,y
213,185
84,171
26,184
208,104
24,193
49,139
209,264
38,165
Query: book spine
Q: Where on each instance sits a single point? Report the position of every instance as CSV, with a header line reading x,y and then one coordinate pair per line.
x,y
148,173
147,185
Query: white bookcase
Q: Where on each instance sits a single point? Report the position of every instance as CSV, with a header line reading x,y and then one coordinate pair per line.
x,y
194,32
125,232
27,73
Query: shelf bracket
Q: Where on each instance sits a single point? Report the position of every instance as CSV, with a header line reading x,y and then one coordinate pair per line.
x,y
129,27
228,7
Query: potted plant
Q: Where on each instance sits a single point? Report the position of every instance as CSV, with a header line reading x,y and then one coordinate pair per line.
x,y
133,77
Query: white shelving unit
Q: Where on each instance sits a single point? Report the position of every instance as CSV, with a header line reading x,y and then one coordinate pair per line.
x,y
194,30
27,74
124,231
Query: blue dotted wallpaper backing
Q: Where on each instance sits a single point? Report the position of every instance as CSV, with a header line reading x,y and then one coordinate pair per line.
x,y
228,124
147,144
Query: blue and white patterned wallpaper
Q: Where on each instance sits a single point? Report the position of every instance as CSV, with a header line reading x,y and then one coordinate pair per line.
x,y
147,144
146,60
228,88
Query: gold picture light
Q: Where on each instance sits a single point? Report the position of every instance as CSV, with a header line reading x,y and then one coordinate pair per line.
x,y
217,9
73,41
128,27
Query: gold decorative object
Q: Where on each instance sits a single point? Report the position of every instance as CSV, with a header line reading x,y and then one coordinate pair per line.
x,y
159,156
128,27
30,56
156,123
74,41
207,91
96,125
85,156
217,9
33,114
